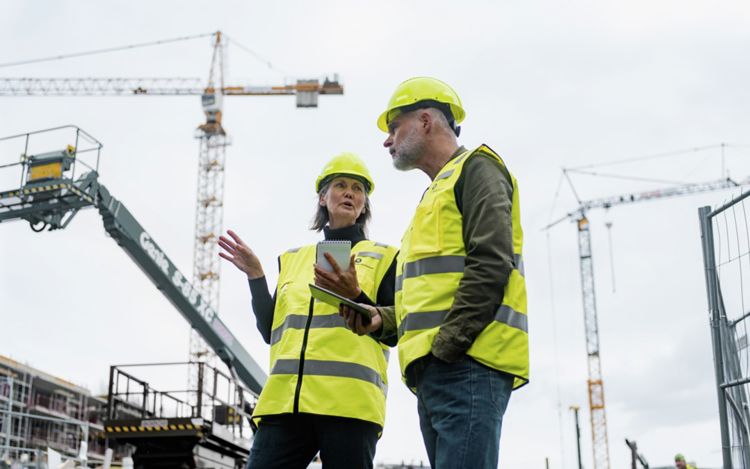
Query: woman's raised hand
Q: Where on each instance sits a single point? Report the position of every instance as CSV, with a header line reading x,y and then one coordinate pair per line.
x,y
238,253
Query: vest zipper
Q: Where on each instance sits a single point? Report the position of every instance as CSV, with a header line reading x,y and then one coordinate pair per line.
x,y
302,356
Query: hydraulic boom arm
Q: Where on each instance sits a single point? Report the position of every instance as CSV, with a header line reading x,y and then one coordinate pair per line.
x,y
49,197
143,250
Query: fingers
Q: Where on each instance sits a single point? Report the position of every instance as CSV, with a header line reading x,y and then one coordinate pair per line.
x,y
356,322
324,274
323,283
232,260
234,244
333,263
349,317
227,257
373,324
235,237
359,327
231,248
319,271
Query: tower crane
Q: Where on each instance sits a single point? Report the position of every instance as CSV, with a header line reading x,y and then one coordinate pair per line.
x,y
597,410
211,134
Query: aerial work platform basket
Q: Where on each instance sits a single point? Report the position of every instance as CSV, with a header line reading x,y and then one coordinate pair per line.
x,y
208,426
47,194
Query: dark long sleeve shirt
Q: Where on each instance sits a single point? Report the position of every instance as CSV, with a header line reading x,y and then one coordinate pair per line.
x,y
263,302
484,195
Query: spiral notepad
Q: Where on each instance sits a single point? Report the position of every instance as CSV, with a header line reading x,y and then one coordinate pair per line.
x,y
340,250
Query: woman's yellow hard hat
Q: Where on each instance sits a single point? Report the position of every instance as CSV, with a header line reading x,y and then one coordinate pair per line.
x,y
346,164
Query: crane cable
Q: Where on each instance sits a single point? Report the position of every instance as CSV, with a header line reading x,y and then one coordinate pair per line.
x,y
257,56
555,347
554,325
622,176
660,155
103,51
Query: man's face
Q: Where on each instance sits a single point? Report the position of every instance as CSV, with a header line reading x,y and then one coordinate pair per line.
x,y
405,141
680,464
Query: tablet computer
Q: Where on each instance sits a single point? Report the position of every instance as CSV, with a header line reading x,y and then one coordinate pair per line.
x,y
334,299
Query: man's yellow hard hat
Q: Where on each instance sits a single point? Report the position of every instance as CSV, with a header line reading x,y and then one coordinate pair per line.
x,y
424,90
346,164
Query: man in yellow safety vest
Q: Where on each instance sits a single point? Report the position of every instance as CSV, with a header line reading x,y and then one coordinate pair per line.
x,y
460,307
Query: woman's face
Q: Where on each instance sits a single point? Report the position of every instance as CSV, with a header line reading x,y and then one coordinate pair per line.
x,y
344,199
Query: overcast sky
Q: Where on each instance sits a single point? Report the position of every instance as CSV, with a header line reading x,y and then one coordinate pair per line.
x,y
547,84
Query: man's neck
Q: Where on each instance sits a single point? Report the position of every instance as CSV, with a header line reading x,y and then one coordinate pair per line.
x,y
437,158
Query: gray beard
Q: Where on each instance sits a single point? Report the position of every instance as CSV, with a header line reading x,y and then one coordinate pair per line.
x,y
407,155
405,161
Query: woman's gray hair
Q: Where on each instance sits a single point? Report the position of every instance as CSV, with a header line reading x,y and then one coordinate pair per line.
x,y
320,220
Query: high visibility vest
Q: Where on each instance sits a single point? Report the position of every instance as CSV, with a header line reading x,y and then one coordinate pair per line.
x,y
430,266
318,366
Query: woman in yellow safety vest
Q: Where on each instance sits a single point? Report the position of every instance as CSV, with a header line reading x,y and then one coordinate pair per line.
x,y
326,388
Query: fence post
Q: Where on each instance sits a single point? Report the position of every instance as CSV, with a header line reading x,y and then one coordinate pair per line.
x,y
709,262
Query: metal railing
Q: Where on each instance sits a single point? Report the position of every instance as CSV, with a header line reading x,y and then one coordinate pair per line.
x,y
218,397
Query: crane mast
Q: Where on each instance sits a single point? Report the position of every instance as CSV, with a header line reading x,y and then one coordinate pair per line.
x,y
595,382
209,207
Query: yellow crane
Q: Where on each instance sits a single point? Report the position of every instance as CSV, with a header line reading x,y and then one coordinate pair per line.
x,y
211,134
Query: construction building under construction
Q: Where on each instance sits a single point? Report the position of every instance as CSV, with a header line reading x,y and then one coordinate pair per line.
x,y
40,411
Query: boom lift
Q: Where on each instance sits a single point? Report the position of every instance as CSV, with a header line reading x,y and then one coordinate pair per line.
x,y
49,197
211,134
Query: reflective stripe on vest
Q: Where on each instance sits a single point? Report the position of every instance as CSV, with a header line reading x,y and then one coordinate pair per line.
x,y
299,321
418,321
518,262
430,268
335,361
374,255
442,264
330,368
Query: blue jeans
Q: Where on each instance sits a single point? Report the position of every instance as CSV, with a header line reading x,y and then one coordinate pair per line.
x,y
291,441
461,407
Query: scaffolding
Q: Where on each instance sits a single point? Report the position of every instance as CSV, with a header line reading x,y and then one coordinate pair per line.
x,y
39,411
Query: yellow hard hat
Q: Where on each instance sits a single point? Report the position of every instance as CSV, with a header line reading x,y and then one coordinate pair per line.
x,y
419,89
346,164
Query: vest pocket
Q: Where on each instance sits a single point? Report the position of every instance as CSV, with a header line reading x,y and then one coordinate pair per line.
x,y
426,235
